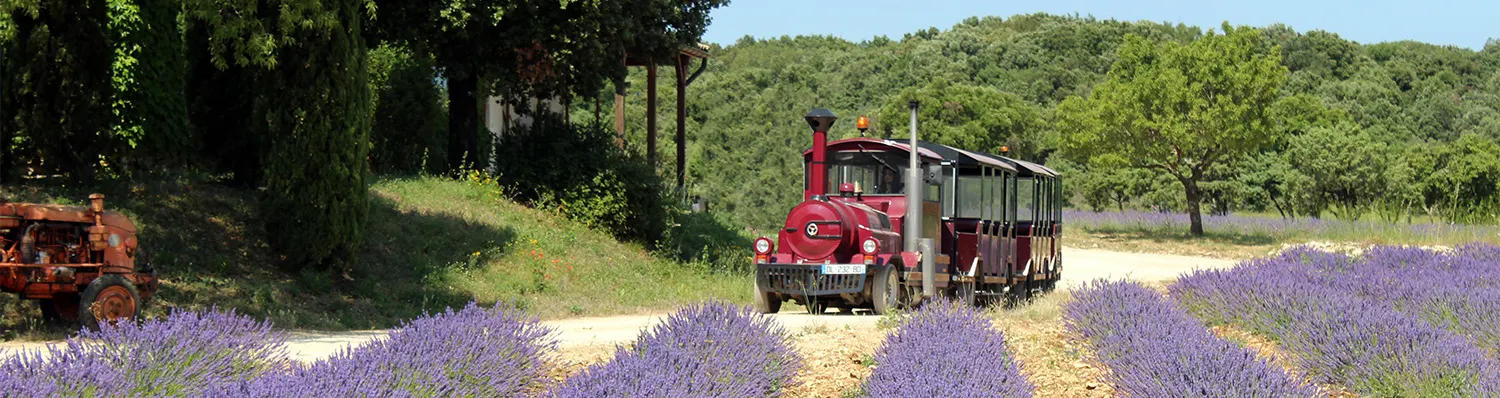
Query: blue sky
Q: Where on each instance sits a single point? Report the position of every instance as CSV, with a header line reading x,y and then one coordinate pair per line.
x,y
1461,23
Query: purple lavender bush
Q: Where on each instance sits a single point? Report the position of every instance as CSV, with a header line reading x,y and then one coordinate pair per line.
x,y
185,354
707,350
1393,322
473,352
945,349
1154,348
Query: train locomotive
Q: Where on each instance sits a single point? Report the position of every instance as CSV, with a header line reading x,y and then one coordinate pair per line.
x,y
885,224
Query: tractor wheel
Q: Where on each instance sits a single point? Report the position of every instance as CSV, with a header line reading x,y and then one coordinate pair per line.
x,y
109,300
59,309
766,303
887,291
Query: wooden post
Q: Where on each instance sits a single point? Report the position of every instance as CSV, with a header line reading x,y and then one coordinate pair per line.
x,y
620,117
651,112
681,66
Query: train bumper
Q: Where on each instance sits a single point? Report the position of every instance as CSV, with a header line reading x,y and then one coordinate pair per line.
x,y
812,279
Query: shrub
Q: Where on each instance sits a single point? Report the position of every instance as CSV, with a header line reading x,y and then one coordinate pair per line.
x,y
1375,324
1155,349
946,349
316,113
578,171
706,350
473,352
184,354
409,135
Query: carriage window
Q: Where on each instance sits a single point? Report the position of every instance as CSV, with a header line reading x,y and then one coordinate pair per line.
x,y
948,192
996,202
874,173
1025,198
971,196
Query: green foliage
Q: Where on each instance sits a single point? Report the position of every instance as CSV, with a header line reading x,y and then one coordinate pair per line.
x,y
1346,168
582,174
1180,109
973,117
149,74
317,121
535,49
408,136
57,87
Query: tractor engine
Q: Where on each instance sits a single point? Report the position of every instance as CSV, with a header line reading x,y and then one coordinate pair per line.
x,y
822,230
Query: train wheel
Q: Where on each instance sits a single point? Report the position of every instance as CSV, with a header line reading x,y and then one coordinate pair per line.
x,y
887,292
109,300
766,303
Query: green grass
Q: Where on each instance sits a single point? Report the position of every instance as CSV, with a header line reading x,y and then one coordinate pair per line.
x,y
430,243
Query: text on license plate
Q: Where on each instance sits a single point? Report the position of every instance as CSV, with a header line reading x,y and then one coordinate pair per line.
x,y
839,269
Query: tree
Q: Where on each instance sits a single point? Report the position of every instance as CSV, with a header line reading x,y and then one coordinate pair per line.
x,y
535,48
311,113
150,72
1347,167
57,76
1179,109
971,117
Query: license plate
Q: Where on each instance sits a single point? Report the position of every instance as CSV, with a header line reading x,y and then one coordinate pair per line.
x,y
843,269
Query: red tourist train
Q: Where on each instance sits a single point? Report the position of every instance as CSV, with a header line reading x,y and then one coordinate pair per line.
x,y
988,226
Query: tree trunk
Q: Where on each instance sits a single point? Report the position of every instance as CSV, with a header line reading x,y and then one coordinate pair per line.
x,y
463,120
1194,206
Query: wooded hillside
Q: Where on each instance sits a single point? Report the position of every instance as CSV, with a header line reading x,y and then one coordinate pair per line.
x,y
1398,130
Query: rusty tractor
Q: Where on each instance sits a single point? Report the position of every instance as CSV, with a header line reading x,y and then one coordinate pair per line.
x,y
79,263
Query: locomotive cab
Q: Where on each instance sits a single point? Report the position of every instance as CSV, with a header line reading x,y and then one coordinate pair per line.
x,y
842,246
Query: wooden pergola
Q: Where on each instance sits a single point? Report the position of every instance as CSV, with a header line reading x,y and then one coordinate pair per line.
x,y
680,62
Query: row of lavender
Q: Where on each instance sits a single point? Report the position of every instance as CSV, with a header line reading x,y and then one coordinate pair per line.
x,y
1392,322
1281,228
945,349
1154,348
704,350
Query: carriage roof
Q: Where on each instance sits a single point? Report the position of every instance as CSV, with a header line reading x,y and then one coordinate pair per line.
x,y
939,152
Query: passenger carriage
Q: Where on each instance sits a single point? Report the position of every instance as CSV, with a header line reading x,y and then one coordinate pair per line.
x,y
993,225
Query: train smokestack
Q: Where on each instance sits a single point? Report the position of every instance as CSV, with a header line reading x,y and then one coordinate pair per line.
x,y
820,120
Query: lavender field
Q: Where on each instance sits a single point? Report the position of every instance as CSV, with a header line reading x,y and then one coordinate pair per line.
x,y
1279,229
1391,322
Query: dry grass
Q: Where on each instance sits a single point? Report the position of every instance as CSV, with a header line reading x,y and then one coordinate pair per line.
x,y
1055,361
1211,247
1268,350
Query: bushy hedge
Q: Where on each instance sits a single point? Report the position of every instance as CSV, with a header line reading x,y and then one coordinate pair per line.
x,y
704,350
579,171
316,128
1396,321
410,133
1155,349
473,352
946,349
184,354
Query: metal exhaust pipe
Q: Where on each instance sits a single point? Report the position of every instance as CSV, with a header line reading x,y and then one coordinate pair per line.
x,y
913,222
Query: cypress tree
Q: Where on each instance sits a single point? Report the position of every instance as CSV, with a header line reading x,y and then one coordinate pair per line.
x,y
316,107
150,72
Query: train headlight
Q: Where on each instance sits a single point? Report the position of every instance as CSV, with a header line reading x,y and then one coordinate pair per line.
x,y
870,246
762,246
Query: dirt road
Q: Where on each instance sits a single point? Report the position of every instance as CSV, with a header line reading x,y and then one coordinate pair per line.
x,y
596,336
